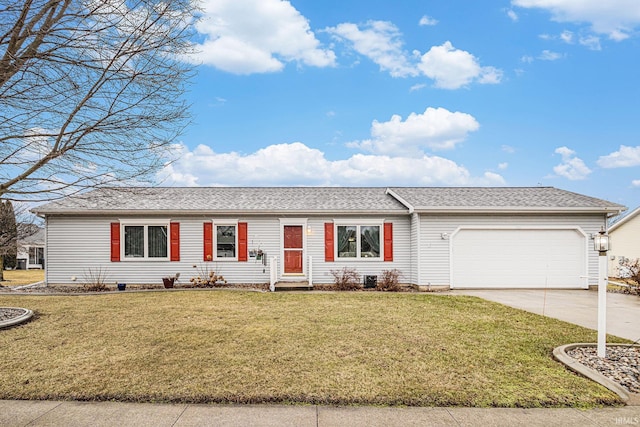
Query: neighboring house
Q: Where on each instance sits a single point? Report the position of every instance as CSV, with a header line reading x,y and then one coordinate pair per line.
x,y
624,236
31,249
538,237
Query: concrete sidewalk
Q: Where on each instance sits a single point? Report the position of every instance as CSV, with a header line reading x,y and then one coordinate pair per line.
x,y
15,413
574,306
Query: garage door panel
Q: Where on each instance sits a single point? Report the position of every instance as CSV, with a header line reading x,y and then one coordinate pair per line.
x,y
509,258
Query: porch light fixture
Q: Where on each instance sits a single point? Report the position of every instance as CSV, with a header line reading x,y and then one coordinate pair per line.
x,y
601,242
444,236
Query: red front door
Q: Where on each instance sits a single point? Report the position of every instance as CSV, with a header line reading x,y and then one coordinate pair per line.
x,y
293,249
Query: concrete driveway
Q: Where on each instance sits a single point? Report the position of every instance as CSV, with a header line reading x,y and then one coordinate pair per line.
x,y
574,306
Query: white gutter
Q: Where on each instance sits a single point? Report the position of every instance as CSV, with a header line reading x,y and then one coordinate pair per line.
x,y
512,209
185,212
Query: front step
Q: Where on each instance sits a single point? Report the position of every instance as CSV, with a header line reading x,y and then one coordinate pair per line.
x,y
293,286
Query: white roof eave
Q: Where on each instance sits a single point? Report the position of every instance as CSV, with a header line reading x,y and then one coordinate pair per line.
x,y
184,212
508,209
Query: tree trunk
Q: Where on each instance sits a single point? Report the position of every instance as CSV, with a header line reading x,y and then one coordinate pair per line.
x,y
1,268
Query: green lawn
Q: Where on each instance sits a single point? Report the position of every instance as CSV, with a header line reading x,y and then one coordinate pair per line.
x,y
321,348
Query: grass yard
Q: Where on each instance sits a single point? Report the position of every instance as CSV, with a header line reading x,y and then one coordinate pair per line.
x,y
21,277
321,348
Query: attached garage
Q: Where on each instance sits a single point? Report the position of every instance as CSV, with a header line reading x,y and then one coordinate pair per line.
x,y
519,258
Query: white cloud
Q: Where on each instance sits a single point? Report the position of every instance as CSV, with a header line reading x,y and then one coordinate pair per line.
x,y
572,167
527,59
591,42
449,67
298,164
379,41
452,68
615,18
508,149
548,55
428,21
257,36
417,87
635,183
436,128
490,178
512,15
567,37
503,166
623,158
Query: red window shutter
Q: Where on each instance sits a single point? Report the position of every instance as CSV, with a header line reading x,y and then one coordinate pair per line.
x,y
328,242
388,241
174,232
208,241
115,241
243,247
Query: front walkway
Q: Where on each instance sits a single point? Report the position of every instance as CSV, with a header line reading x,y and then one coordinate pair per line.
x,y
574,306
95,414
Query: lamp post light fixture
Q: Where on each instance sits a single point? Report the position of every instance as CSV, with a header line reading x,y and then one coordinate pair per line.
x,y
601,244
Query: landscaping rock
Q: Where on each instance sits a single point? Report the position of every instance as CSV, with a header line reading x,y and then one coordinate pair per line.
x,y
622,364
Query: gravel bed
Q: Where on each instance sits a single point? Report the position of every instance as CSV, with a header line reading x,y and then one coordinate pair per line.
x,y
622,364
7,313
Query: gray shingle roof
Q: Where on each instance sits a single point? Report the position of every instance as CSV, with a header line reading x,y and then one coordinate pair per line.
x,y
500,198
229,199
356,200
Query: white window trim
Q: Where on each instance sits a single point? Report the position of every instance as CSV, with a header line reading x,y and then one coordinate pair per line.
x,y
145,224
224,223
358,223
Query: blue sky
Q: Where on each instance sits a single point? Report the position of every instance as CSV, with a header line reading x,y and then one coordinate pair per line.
x,y
434,93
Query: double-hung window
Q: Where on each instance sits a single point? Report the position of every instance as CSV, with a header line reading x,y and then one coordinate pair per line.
x,y
36,255
226,241
358,241
146,241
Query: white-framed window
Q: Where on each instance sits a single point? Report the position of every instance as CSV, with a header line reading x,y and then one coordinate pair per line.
x,y
145,240
225,235
36,255
361,240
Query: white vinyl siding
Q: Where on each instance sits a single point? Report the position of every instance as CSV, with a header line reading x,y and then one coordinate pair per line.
x,y
420,253
415,249
77,244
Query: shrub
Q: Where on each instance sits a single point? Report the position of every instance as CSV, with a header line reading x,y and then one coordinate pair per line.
x,y
388,281
346,279
207,279
630,269
95,280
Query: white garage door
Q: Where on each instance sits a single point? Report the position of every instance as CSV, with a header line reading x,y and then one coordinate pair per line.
x,y
508,258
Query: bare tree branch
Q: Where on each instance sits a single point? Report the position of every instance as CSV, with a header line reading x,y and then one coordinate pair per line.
x,y
91,92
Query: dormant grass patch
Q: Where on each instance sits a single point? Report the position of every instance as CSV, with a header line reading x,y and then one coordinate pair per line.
x,y
343,348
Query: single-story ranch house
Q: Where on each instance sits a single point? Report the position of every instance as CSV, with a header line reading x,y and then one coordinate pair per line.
x,y
539,237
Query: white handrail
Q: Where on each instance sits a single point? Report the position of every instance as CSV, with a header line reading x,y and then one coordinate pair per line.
x,y
310,271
